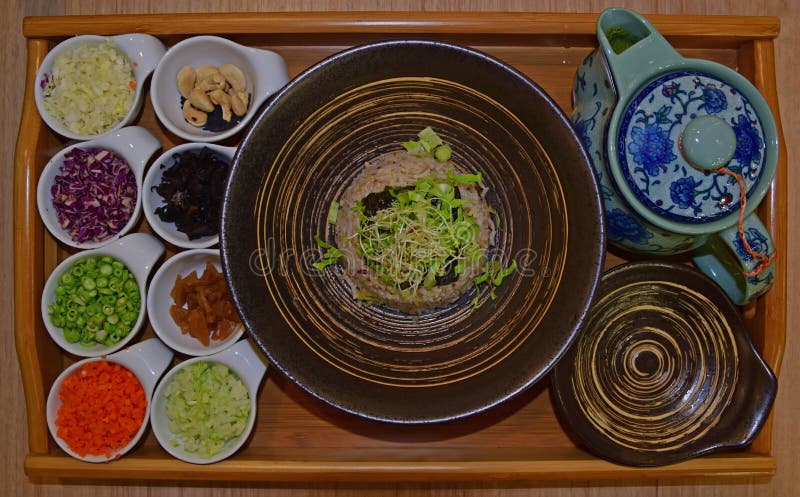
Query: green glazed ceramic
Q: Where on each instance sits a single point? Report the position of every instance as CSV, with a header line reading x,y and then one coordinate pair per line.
x,y
657,126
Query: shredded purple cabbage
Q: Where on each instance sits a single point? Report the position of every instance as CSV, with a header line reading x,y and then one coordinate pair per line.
x,y
94,195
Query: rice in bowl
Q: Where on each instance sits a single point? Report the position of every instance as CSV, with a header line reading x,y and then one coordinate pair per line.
x,y
399,170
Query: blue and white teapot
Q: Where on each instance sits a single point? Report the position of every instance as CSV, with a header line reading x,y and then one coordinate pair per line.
x,y
674,143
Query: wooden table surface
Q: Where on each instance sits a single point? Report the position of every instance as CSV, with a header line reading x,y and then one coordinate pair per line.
x,y
13,442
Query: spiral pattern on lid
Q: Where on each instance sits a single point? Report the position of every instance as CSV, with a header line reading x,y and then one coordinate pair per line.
x,y
655,367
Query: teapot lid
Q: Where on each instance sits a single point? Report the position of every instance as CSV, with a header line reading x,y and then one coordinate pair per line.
x,y
676,131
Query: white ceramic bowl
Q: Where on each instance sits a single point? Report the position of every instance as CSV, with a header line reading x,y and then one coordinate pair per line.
x,y
265,72
243,360
139,252
147,360
152,200
134,144
144,52
159,301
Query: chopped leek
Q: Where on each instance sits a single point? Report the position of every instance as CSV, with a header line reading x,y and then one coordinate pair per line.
x,y
442,153
333,212
429,139
429,145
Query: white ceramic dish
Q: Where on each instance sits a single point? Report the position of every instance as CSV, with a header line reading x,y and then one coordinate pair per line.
x,y
265,72
134,144
159,301
144,52
147,360
152,200
242,359
139,252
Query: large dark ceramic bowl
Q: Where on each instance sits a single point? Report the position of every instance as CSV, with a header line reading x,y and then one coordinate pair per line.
x,y
305,149
663,370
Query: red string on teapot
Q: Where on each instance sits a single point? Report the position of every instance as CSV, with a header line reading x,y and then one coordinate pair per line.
x,y
763,260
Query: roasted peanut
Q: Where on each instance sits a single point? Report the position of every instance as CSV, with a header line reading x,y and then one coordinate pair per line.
x,y
208,86
186,79
194,116
234,76
239,101
200,100
203,72
213,82
222,99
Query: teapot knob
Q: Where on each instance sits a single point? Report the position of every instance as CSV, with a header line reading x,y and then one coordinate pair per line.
x,y
708,142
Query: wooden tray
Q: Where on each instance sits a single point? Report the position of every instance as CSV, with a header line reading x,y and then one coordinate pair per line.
x,y
297,438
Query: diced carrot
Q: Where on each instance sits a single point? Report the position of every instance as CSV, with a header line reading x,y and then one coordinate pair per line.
x,y
103,407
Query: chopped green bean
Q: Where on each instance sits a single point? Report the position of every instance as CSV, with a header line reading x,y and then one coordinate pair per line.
x,y
96,301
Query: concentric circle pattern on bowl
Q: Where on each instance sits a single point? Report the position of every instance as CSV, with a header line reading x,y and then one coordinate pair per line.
x,y
446,348
375,361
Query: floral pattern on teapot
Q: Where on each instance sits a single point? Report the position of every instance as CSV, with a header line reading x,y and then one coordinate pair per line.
x,y
650,133
594,99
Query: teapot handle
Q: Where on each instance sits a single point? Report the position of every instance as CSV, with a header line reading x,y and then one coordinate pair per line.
x,y
649,55
724,259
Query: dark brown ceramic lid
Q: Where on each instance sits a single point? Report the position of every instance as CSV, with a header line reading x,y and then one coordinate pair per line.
x,y
662,370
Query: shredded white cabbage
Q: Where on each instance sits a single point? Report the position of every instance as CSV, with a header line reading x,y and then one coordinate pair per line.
x,y
208,406
90,89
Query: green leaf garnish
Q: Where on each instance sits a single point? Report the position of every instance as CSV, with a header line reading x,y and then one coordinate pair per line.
x,y
422,236
330,256
498,279
493,275
367,298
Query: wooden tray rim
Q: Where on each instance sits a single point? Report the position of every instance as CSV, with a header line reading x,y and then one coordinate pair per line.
x,y
751,35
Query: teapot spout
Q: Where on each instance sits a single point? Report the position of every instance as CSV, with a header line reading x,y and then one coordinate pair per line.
x,y
634,50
